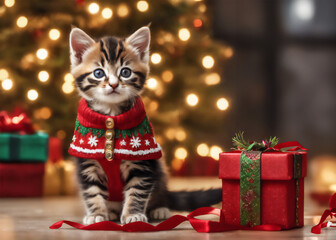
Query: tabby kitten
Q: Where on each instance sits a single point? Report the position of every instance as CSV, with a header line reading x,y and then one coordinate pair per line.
x,y
110,74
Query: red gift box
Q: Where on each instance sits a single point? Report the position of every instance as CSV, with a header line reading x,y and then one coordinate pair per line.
x,y
281,189
21,180
55,149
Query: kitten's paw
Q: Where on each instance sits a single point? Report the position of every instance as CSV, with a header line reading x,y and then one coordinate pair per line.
x,y
113,216
160,213
133,218
90,219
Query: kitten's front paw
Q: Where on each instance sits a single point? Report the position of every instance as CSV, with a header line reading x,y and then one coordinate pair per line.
x,y
160,213
133,218
90,219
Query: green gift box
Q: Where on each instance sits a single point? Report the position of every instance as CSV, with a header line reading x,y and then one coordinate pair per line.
x,y
23,148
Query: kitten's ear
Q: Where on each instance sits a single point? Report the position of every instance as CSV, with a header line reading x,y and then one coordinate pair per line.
x,y
79,43
140,40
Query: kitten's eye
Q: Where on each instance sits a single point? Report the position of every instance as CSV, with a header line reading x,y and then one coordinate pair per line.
x,y
98,73
125,72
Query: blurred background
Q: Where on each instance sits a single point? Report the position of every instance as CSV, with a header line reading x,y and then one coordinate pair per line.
x,y
218,67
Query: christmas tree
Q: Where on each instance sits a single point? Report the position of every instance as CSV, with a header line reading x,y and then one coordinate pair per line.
x,y
184,95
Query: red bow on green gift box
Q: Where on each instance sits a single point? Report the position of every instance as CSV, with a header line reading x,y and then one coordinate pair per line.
x,y
17,121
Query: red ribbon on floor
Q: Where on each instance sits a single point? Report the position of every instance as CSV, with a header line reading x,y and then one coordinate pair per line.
x,y
327,213
172,222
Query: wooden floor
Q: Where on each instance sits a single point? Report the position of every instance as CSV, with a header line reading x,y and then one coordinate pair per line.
x,y
31,218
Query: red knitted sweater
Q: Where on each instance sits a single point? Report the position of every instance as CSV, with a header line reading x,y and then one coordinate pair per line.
x,y
133,139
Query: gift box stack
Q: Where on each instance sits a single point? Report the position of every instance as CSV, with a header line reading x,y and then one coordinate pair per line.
x,y
59,178
263,183
23,154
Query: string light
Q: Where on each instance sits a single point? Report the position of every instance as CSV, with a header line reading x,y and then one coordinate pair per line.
x,y
181,153
22,21
170,133
43,76
142,6
228,52
222,104
212,79
107,13
208,62
197,23
153,106
67,87
54,34
202,149
3,74
180,135
68,78
93,8
32,94
192,99
202,8
167,76
45,113
9,3
215,151
42,53
177,164
156,58
152,83
7,84
61,134
184,34
122,10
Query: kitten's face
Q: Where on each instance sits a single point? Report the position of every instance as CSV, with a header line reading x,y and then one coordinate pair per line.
x,y
110,70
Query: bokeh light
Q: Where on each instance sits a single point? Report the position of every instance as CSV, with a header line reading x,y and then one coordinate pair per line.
x,y
152,83
42,53
215,151
142,6
7,84
167,76
107,13
93,8
9,3
222,104
122,10
156,58
192,99
43,76
181,153
68,87
54,34
212,79
32,95
202,149
22,22
184,34
208,62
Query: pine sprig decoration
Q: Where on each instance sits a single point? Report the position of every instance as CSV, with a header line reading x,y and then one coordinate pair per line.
x,y
240,143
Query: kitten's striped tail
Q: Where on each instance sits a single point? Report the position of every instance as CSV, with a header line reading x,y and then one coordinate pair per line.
x,y
191,200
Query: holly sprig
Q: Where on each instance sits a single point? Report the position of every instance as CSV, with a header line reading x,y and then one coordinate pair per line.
x,y
241,144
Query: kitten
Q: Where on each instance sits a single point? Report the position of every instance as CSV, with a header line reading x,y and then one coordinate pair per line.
x,y
110,74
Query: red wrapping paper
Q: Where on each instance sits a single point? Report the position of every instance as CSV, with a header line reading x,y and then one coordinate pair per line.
x,y
278,191
21,180
55,149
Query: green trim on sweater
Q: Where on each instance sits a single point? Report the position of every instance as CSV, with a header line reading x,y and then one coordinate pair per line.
x,y
142,128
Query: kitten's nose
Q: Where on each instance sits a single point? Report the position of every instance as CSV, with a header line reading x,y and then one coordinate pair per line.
x,y
114,85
